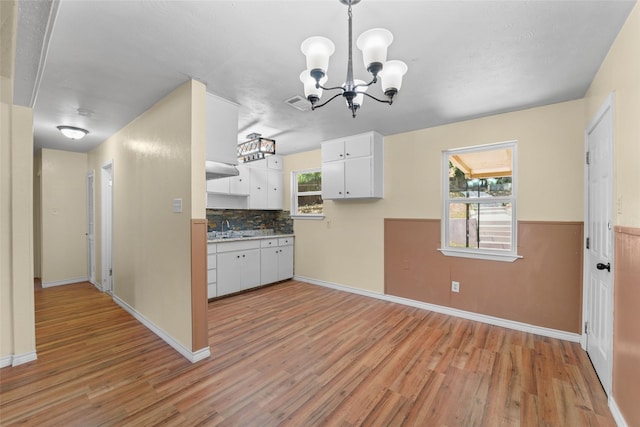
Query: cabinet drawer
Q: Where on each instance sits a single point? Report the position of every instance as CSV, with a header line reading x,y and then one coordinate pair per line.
x,y
285,241
238,246
268,243
211,248
211,276
212,290
211,261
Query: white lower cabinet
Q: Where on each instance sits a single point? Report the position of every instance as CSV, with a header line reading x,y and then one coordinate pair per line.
x,y
276,260
246,264
238,266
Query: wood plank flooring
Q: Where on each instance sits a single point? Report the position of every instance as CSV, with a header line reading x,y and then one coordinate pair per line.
x,y
295,354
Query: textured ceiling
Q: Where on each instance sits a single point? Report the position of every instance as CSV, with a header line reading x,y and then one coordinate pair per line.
x,y
99,64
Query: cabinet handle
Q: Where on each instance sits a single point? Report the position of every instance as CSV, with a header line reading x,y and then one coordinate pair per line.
x,y
341,155
348,154
237,256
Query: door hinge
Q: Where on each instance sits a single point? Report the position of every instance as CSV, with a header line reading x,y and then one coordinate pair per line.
x,y
110,272
588,158
586,327
588,242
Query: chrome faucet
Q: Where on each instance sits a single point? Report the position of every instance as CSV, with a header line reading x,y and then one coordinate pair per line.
x,y
222,225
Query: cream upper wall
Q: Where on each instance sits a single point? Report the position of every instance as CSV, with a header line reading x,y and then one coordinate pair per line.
x,y
619,73
151,244
347,247
63,217
198,149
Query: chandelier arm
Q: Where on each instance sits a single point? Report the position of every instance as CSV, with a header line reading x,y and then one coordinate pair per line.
x,y
330,88
384,101
375,80
313,107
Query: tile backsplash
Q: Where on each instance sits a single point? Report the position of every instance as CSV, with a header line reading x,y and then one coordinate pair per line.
x,y
242,219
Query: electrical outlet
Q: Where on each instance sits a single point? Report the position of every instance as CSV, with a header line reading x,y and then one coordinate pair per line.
x,y
455,286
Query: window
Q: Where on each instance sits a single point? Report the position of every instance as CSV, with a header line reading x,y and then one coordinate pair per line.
x,y
306,194
479,209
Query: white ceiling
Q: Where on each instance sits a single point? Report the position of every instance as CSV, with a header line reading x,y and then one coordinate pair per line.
x,y
99,64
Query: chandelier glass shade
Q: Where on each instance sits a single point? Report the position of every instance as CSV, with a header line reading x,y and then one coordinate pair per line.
x,y
373,44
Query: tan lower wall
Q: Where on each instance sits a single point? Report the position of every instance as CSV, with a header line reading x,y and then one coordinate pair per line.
x,y
626,335
199,306
544,288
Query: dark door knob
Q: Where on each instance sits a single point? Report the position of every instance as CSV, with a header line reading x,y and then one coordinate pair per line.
x,y
602,266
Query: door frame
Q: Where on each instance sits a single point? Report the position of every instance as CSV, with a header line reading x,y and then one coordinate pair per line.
x,y
606,107
106,224
91,227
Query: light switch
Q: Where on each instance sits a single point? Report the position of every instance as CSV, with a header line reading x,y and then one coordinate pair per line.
x,y
177,205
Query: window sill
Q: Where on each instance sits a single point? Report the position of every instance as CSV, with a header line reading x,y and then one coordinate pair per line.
x,y
312,217
490,256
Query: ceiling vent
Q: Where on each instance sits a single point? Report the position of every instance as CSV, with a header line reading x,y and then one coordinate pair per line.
x,y
299,103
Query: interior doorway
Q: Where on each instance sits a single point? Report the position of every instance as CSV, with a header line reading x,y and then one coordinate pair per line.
x,y
598,270
107,227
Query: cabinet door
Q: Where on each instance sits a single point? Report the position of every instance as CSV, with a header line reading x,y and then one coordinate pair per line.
x,y
222,130
333,150
285,262
258,193
250,269
241,184
228,272
269,265
274,189
274,162
333,180
357,177
357,146
220,185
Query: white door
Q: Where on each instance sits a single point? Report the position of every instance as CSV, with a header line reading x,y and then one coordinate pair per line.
x,y
357,177
285,262
599,254
269,265
107,227
250,269
91,263
333,180
274,189
258,192
228,275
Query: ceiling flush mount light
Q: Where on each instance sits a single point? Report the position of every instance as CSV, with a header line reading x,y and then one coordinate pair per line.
x,y
72,132
373,44
256,148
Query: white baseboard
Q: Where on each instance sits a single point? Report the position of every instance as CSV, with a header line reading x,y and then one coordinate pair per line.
x,y
17,359
6,361
505,323
192,356
64,282
617,415
97,285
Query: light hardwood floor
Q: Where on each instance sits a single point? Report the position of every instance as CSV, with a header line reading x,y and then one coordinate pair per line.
x,y
295,354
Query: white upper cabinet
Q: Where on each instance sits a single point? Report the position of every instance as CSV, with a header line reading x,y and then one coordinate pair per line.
x,y
240,184
352,168
222,130
266,183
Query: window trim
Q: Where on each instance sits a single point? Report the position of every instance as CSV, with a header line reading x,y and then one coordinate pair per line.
x,y
295,194
486,254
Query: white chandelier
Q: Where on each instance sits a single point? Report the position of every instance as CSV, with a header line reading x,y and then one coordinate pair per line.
x,y
373,44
